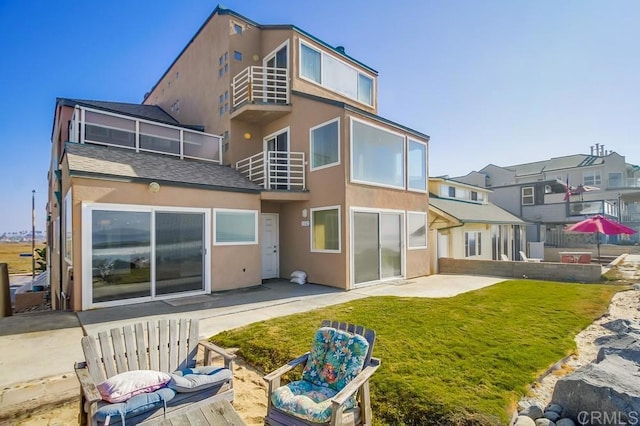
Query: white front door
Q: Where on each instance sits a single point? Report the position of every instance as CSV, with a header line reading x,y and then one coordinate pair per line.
x,y
270,246
443,245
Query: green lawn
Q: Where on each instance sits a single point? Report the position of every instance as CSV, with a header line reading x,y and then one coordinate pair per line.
x,y
464,360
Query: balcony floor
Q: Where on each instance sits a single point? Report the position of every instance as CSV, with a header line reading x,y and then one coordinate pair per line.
x,y
260,113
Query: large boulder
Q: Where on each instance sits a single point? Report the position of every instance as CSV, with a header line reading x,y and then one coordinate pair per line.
x,y
609,387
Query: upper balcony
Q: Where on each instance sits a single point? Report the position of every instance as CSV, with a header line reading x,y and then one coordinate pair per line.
x,y
260,94
94,126
568,212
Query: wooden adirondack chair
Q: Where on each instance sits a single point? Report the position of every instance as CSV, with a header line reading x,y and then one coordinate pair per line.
x,y
342,410
167,347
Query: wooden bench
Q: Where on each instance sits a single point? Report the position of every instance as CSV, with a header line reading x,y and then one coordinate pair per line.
x,y
167,347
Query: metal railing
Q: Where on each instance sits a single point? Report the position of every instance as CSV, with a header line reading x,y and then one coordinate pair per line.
x,y
94,126
260,85
275,170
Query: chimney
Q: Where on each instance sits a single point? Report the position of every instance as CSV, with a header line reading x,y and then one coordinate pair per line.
x,y
602,150
591,149
597,149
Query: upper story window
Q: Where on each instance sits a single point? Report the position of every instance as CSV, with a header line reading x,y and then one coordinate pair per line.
x,y
474,196
237,28
237,55
325,144
417,166
527,196
615,180
334,74
377,155
452,191
592,178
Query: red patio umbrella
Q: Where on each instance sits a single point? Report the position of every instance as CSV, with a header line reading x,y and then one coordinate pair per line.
x,y
600,224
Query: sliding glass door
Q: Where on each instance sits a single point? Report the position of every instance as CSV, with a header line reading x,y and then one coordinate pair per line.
x,y
377,246
144,253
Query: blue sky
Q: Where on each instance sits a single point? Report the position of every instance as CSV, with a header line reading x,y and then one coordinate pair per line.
x,y
502,82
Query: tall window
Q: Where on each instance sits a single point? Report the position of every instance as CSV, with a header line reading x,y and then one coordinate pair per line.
x,y
472,243
325,144
325,229
334,74
416,230
452,192
417,166
235,227
615,180
68,226
377,156
527,196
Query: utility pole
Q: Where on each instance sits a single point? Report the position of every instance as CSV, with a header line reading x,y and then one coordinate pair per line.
x,y
33,235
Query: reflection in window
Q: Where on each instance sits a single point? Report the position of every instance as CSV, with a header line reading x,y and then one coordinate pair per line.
x,y
417,230
417,166
235,226
325,228
378,155
325,144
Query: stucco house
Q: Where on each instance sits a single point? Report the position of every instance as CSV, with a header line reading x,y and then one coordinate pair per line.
x,y
465,225
553,193
258,152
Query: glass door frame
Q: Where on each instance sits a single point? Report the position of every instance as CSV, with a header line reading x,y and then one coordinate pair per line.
x,y
87,258
403,245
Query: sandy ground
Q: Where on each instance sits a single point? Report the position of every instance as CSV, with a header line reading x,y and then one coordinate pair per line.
x,y
624,305
250,402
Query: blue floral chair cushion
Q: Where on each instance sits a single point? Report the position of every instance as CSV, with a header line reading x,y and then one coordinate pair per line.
x,y
336,358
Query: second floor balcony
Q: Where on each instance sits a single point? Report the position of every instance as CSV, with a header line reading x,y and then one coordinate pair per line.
x,y
275,170
94,126
260,94
569,212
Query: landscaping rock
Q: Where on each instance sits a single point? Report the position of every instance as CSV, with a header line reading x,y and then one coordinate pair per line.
x,y
524,421
544,422
610,385
533,412
554,408
565,422
551,416
636,286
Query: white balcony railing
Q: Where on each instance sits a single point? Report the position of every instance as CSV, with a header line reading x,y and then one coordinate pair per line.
x,y
94,126
261,85
275,170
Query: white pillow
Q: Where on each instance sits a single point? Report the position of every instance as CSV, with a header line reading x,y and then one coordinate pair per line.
x,y
298,280
123,386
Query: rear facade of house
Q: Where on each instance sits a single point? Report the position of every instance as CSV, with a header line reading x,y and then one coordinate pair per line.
x,y
258,152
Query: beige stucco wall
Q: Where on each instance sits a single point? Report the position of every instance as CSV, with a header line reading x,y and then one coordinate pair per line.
x,y
231,266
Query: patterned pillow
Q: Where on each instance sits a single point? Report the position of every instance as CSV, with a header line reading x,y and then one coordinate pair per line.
x,y
336,358
123,386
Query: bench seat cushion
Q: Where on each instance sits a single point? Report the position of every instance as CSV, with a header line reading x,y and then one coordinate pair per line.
x,y
136,405
199,378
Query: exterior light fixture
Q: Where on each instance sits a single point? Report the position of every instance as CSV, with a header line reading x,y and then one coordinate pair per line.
x,y
247,135
305,213
256,57
154,187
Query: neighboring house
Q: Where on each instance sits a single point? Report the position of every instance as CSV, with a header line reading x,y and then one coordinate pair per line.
x,y
258,152
599,183
465,225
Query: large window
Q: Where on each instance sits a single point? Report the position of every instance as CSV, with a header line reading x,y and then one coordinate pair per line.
x,y
235,227
416,230
68,228
592,178
325,144
527,196
615,180
377,155
417,166
334,74
472,244
325,229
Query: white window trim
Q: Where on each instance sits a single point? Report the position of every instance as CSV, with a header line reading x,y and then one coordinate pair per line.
x,y
477,245
240,243
323,52
426,230
426,166
68,214
87,288
533,194
272,54
592,173
314,209
286,130
313,169
404,156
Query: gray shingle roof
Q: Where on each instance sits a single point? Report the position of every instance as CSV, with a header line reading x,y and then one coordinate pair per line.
x,y
474,213
95,160
557,163
150,112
